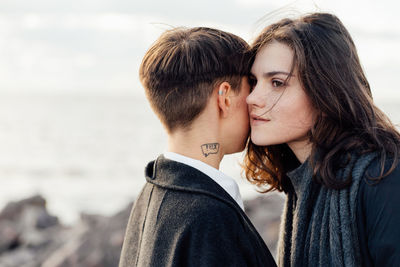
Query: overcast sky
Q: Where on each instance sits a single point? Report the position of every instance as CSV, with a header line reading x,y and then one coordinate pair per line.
x,y
91,46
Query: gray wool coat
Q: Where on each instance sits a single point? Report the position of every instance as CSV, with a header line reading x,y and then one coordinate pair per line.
x,y
183,218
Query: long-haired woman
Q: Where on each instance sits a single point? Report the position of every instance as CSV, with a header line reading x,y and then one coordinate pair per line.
x,y
317,135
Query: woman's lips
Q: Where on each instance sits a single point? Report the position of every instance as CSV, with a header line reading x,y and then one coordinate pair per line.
x,y
256,120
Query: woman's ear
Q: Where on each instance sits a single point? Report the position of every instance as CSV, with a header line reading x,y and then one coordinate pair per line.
x,y
224,101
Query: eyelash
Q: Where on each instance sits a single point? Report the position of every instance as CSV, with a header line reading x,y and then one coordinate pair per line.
x,y
280,83
275,83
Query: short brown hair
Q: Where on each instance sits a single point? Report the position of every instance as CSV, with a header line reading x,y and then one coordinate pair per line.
x,y
183,66
347,120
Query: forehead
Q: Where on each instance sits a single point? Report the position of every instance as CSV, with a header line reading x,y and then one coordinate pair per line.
x,y
274,56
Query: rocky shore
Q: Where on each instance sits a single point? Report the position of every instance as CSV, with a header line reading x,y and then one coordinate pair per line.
x,y
31,237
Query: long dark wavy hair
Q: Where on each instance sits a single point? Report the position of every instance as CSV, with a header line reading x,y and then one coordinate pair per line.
x,y
347,121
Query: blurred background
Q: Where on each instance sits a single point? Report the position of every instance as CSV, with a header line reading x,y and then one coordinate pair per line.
x,y
75,126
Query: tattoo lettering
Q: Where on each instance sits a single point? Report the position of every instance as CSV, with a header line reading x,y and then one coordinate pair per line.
x,y
210,148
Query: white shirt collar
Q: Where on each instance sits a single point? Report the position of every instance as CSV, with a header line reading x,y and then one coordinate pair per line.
x,y
226,182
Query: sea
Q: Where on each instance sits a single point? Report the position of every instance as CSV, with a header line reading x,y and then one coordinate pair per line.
x,y
87,152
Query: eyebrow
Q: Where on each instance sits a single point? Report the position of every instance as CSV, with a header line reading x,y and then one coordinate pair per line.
x,y
273,73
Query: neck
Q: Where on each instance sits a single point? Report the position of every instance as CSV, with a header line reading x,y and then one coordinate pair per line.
x,y
199,145
302,149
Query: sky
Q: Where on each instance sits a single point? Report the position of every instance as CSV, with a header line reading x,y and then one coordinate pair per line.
x,y
95,46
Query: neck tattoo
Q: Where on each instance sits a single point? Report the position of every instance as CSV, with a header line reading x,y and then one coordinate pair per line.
x,y
209,148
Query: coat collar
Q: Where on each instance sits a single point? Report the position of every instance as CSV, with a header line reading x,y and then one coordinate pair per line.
x,y
178,176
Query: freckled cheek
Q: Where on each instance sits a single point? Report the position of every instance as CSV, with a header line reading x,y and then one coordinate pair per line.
x,y
299,118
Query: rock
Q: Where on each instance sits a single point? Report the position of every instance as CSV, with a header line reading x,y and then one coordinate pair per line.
x,y
14,209
23,257
99,246
45,220
28,232
265,213
9,236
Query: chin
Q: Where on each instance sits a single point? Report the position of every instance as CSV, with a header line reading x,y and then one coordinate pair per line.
x,y
265,141
257,140
258,143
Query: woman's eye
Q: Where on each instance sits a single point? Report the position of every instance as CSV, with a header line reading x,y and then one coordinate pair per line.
x,y
277,83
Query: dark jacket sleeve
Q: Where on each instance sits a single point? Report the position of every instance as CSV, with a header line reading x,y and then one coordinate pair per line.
x,y
379,219
209,239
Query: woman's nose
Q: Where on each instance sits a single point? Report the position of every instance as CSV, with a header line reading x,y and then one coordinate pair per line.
x,y
254,98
